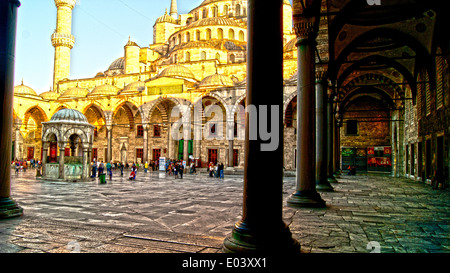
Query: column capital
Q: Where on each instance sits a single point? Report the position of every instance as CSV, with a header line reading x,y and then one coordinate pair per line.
x,y
305,32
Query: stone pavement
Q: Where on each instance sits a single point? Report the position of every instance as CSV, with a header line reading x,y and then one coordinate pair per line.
x,y
160,214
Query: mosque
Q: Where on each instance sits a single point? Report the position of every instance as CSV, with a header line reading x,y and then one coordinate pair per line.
x,y
385,70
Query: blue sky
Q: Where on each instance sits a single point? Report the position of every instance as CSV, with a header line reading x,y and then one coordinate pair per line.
x,y
101,29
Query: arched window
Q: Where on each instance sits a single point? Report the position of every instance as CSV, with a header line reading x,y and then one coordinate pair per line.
x,y
215,11
231,34
188,57
198,35
179,38
241,36
238,10
220,34
203,56
208,34
225,10
188,37
232,58
205,13
196,16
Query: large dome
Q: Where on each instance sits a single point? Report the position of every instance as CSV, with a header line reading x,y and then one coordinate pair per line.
x,y
119,63
69,115
177,71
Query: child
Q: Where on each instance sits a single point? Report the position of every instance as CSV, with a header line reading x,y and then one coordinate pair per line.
x,y
132,175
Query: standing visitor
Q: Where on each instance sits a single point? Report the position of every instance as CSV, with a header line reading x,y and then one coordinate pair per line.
x,y
145,167
109,169
121,168
221,170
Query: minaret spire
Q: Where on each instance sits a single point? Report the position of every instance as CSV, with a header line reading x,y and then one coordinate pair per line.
x,y
173,9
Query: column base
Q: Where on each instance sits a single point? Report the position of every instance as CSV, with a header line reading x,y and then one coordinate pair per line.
x,y
324,186
9,208
332,179
306,199
247,240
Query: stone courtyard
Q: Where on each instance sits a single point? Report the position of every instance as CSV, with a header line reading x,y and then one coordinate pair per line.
x,y
159,214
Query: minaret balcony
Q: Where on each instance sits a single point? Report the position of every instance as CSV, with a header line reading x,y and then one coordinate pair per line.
x,y
63,39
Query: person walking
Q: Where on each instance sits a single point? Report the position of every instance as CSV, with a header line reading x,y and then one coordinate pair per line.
x,y
109,169
220,168
145,167
94,169
121,168
181,170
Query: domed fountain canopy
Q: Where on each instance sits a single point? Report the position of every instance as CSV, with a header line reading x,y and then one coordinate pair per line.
x,y
69,116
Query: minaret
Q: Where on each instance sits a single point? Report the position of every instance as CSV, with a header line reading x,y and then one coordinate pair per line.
x,y
62,40
173,9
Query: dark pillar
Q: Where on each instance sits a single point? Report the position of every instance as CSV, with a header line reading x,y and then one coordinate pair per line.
x,y
261,228
322,183
330,141
8,20
306,194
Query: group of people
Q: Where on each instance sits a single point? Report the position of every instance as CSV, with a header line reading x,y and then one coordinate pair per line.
x,y
216,170
98,168
23,165
175,168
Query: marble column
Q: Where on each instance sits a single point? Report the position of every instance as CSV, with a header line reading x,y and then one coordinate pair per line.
x,y
262,228
230,137
322,183
85,167
17,126
45,146
306,194
8,19
62,147
145,138
109,143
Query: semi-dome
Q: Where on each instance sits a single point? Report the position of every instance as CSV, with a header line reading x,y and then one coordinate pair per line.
x,y
216,21
216,80
69,115
104,90
177,71
75,92
24,90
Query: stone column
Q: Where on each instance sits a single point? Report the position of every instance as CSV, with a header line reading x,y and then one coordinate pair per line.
x,y
330,141
109,143
186,138
170,143
44,157
62,147
85,168
230,137
145,137
337,148
261,228
17,136
322,183
306,194
8,18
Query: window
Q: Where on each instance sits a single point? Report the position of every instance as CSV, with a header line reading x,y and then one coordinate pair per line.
x,y
205,12
156,154
212,156
208,34
225,10
95,132
188,56
140,153
231,34
439,79
140,131
238,10
188,37
352,127
220,34
241,36
235,157
203,55
198,35
94,154
156,130
232,58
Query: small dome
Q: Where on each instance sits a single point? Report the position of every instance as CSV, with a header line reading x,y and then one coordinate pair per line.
x,y
138,86
177,71
166,19
216,80
119,63
24,90
104,90
290,46
69,115
50,95
75,92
